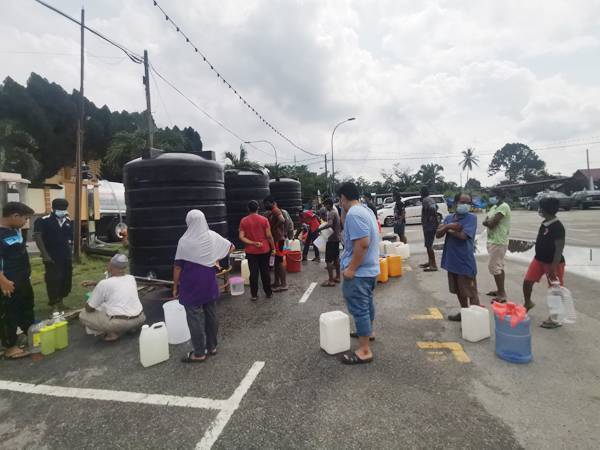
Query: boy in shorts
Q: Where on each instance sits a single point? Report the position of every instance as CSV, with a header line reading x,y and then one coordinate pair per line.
x,y
548,259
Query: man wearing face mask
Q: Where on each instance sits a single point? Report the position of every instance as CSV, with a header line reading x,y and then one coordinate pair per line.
x,y
458,257
53,235
498,224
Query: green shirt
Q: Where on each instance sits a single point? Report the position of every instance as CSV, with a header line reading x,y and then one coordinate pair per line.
x,y
499,234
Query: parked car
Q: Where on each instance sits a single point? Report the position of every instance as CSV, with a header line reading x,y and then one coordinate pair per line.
x,y
565,202
413,210
112,211
585,199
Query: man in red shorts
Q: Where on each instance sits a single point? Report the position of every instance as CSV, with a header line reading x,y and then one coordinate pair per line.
x,y
549,245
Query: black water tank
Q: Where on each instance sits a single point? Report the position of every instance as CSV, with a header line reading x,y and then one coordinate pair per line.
x,y
160,189
241,186
288,195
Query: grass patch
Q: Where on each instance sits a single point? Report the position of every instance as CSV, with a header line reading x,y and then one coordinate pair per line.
x,y
90,268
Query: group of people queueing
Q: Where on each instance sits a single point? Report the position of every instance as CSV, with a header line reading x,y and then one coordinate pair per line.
x,y
458,258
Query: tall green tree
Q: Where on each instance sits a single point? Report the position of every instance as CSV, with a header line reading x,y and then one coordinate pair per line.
x,y
430,175
519,163
241,161
17,148
469,160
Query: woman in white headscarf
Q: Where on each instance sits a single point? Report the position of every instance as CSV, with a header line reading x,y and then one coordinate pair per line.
x,y
195,282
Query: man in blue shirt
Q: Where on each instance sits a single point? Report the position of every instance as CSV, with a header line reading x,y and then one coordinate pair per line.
x,y
458,257
360,267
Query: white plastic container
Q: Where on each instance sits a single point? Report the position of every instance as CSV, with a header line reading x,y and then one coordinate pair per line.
x,y
295,245
382,248
176,322
154,344
246,272
475,323
334,327
554,300
569,306
402,249
321,241
237,286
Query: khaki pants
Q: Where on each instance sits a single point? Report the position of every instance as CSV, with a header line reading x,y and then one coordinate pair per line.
x,y
100,322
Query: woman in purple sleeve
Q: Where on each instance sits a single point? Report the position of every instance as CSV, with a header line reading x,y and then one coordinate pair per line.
x,y
195,282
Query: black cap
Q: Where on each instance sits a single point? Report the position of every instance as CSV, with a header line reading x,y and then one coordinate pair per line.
x,y
60,204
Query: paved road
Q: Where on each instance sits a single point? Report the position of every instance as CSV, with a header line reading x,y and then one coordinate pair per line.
x,y
303,398
582,227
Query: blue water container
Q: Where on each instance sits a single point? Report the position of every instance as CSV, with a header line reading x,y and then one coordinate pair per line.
x,y
513,344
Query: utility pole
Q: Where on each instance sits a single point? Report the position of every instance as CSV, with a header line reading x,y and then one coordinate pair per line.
x,y
590,177
79,151
150,139
326,180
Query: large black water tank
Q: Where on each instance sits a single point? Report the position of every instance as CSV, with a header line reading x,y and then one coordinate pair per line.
x,y
288,195
159,191
241,186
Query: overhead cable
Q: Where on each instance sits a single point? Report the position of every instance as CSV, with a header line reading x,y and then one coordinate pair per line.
x,y
177,28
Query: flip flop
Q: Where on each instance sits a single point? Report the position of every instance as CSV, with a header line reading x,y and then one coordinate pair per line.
x,y
430,269
424,265
492,294
355,336
328,284
18,355
337,280
281,289
188,358
498,300
530,307
213,352
550,324
352,359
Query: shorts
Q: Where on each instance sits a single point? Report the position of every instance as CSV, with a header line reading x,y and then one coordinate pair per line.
x,y
538,269
279,251
429,236
463,285
399,228
496,262
332,252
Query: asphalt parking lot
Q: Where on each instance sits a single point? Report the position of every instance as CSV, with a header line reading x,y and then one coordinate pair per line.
x,y
272,387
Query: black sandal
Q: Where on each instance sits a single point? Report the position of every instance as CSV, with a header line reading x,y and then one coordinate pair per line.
x,y
188,358
352,359
355,336
550,324
430,269
424,265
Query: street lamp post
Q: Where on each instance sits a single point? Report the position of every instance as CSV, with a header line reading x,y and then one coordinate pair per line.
x,y
274,151
332,161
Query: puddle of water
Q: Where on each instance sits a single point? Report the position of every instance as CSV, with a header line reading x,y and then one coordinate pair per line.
x,y
584,261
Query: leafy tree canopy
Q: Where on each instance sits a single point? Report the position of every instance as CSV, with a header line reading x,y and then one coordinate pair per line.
x,y
519,163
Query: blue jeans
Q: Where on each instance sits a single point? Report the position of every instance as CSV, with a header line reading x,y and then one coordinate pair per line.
x,y
358,294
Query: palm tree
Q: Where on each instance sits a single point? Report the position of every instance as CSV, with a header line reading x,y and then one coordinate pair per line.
x,y
469,159
430,174
242,161
17,148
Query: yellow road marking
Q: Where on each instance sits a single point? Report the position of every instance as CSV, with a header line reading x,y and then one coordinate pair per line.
x,y
456,349
434,314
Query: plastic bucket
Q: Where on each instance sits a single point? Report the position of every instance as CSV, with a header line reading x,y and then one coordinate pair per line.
x,y
237,286
294,261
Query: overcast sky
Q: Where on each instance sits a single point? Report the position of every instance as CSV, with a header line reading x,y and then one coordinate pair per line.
x,y
425,79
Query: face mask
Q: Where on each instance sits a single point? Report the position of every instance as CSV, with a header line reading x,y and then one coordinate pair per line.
x,y
493,200
60,213
462,208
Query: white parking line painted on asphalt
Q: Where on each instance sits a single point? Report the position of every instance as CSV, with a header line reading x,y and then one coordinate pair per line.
x,y
307,293
233,402
226,408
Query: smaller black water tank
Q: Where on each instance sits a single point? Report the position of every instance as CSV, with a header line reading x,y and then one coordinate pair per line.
x,y
287,193
241,186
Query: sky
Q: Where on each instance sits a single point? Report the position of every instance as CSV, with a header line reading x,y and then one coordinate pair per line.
x,y
425,79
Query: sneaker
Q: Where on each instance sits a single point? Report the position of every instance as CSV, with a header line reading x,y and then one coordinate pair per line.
x,y
455,318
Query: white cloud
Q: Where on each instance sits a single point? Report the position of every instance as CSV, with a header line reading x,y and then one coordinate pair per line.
x,y
422,78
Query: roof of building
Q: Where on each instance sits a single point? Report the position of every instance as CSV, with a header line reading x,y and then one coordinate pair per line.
x,y
595,173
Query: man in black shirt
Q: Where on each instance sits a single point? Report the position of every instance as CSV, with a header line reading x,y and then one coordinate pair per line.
x,y
549,245
54,236
16,293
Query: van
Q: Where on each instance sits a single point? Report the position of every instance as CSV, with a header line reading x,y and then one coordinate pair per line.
x,y
413,210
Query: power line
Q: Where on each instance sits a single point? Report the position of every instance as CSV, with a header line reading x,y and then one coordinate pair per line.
x,y
203,111
177,28
162,102
131,55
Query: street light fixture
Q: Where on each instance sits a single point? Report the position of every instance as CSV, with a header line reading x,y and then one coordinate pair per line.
x,y
332,162
274,151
